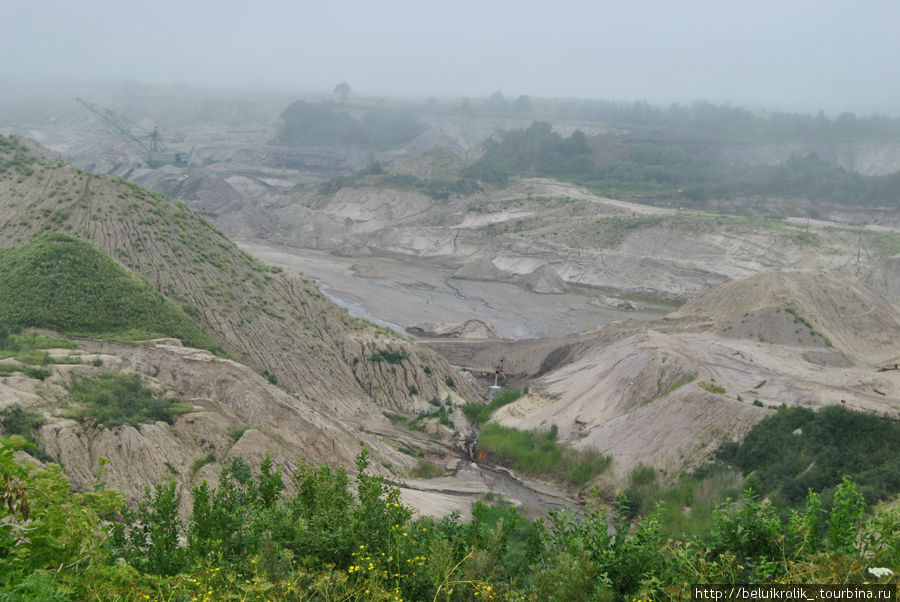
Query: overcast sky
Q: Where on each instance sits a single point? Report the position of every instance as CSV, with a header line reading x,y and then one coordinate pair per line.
x,y
779,54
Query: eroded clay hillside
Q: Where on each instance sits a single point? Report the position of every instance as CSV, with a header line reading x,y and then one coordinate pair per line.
x,y
589,241
336,376
667,394
273,320
234,413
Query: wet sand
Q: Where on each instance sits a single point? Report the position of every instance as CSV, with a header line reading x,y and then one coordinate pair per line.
x,y
410,291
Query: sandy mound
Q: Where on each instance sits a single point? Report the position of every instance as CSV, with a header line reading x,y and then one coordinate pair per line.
x,y
648,383
480,269
827,357
669,399
366,270
470,329
802,307
545,279
614,303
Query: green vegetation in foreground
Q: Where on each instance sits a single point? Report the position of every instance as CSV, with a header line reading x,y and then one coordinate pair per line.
x,y
248,539
111,399
59,282
538,453
688,506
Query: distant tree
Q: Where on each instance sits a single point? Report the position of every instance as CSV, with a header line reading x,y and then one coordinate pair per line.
x,y
313,123
497,103
432,102
342,90
522,105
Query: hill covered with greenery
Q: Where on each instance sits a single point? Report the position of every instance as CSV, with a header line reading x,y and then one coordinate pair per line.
x,y
59,282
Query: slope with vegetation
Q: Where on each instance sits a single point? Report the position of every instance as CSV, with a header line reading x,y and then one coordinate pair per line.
x,y
97,257
275,321
667,394
789,454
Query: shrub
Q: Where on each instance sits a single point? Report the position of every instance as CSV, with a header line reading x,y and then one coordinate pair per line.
x,y
111,399
482,413
29,371
539,453
247,539
16,421
712,387
236,432
426,470
389,355
830,443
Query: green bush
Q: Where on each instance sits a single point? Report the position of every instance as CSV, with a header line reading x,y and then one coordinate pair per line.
x,y
16,421
390,356
426,470
111,399
712,387
29,371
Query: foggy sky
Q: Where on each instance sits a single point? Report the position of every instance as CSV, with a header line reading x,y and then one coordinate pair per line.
x,y
800,55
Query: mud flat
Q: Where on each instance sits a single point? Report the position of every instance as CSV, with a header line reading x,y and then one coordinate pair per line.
x,y
412,291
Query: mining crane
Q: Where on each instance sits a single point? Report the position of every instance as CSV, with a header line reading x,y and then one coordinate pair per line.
x,y
147,144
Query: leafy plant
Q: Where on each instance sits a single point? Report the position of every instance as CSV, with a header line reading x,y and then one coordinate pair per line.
x,y
248,538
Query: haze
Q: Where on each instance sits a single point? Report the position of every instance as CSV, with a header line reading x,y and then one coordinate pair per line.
x,y
801,55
